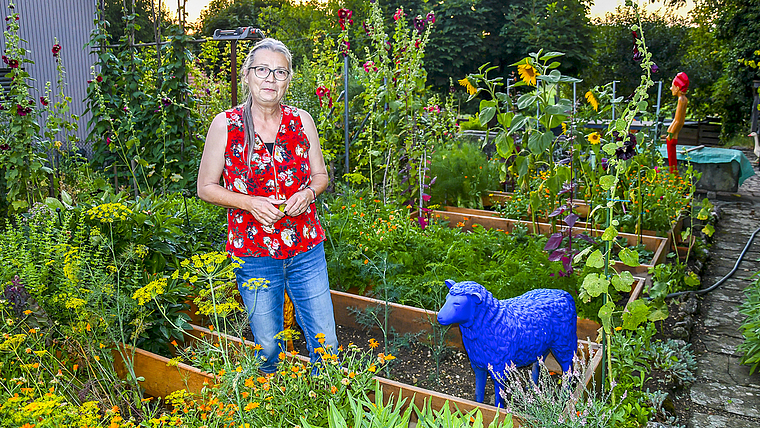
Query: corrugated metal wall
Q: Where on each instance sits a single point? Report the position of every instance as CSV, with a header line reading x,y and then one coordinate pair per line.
x,y
71,21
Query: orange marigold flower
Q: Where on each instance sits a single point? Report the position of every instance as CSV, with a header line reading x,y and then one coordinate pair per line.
x,y
373,343
333,389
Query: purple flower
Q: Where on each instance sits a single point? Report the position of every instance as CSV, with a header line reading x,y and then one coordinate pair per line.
x,y
56,50
22,111
99,78
5,147
655,68
605,163
13,63
43,101
629,147
637,56
431,17
419,24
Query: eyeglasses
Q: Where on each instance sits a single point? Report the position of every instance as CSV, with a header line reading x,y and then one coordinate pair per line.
x,y
263,72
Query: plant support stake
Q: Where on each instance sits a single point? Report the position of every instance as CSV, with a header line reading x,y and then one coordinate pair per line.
x,y
345,109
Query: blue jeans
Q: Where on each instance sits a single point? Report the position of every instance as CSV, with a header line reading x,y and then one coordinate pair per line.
x,y
305,279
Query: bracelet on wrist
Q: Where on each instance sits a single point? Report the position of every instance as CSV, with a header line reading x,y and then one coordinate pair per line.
x,y
313,192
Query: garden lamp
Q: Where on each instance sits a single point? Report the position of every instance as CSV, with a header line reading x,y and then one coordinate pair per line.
x,y
240,33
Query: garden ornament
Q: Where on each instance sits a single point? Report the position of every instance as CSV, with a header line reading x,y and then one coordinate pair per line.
x,y
753,134
678,88
512,332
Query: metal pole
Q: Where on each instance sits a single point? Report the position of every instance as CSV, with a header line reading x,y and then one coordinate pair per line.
x,y
233,60
656,136
613,99
345,107
575,102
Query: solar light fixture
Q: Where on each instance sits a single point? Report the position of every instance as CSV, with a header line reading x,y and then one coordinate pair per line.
x,y
232,36
240,33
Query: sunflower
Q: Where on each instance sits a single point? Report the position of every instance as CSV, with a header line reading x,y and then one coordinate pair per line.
x,y
527,73
594,138
592,100
470,89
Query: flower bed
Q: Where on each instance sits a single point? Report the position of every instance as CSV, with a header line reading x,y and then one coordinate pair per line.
x,y
580,207
406,319
466,221
164,377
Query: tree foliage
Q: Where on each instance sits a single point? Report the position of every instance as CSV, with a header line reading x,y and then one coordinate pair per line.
x,y
613,40
469,33
738,26
114,12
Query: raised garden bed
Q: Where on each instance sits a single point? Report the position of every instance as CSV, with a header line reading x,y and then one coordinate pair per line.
x,y
161,379
581,207
456,218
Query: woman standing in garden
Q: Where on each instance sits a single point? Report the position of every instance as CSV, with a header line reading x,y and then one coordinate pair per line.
x,y
271,161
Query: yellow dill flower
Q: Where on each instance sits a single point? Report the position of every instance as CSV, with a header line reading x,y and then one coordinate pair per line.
x,y
74,303
594,138
564,127
592,100
528,73
150,291
468,85
109,212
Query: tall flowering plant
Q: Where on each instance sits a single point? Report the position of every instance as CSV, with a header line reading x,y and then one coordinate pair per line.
x,y
327,66
23,166
393,149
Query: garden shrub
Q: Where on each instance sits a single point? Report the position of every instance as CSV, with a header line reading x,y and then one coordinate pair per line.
x,y
750,328
462,172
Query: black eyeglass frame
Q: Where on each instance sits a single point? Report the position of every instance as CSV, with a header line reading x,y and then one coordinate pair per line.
x,y
270,71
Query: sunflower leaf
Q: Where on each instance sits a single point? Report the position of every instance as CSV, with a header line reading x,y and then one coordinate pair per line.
x,y
525,101
550,55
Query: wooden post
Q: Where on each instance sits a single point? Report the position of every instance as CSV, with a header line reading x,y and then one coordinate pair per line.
x,y
233,66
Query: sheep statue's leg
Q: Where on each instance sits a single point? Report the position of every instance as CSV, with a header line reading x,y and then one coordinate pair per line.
x,y
481,375
534,373
497,386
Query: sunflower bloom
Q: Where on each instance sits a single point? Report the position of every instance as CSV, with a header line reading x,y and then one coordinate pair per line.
x,y
466,83
594,138
528,73
592,100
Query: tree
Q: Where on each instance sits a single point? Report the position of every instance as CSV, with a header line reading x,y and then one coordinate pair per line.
x,y
469,33
116,11
738,25
229,14
613,41
704,62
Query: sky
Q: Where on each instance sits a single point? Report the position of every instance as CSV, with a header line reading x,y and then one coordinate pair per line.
x,y
600,7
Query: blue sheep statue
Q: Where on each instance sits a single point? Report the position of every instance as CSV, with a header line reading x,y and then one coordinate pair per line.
x,y
513,331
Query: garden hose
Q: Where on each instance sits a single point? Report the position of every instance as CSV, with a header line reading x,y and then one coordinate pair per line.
x,y
714,286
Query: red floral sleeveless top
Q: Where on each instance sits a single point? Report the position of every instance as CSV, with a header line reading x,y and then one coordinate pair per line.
x,y
281,173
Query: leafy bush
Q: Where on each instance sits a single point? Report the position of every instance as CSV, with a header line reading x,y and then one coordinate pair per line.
x,y
373,245
462,172
751,327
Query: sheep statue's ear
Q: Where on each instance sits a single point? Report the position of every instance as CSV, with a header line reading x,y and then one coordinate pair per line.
x,y
449,283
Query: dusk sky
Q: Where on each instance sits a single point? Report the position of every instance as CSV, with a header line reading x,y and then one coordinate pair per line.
x,y
600,7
